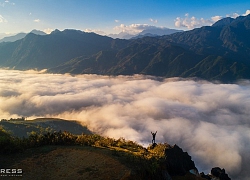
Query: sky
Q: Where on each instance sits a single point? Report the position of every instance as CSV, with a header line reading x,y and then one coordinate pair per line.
x,y
114,16
208,120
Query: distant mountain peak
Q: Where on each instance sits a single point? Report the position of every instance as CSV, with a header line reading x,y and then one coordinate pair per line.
x,y
38,32
55,31
229,20
158,31
21,36
223,22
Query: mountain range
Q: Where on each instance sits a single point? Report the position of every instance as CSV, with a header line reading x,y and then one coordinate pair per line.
x,y
151,31
20,36
217,52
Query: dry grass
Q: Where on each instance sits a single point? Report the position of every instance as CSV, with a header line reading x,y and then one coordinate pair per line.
x,y
62,162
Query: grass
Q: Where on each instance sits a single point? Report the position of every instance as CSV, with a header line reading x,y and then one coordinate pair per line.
x,y
145,161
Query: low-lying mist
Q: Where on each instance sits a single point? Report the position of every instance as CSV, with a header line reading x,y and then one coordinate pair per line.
x,y
210,121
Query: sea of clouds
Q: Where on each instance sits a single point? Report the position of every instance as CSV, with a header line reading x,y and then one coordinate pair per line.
x,y
210,121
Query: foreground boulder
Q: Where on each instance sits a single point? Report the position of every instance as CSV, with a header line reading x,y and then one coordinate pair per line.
x,y
216,173
178,162
219,173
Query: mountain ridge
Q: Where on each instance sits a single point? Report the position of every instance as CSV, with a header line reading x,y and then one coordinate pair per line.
x,y
20,36
219,52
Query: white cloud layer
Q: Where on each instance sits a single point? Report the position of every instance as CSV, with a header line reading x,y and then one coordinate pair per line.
x,y
246,13
193,22
48,30
234,15
209,121
131,29
97,31
134,28
216,18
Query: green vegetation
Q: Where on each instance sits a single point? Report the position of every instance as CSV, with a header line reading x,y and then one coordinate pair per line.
x,y
145,161
19,127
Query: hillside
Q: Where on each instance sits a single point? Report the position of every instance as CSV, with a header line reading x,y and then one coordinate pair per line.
x,y
45,51
63,155
63,162
218,52
21,128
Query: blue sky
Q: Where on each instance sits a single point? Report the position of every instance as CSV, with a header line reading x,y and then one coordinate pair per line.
x,y
114,16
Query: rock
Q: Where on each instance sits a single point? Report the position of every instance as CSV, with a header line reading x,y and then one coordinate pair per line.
x,y
219,173
178,162
205,176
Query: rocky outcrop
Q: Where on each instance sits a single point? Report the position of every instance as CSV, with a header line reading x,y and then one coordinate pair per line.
x,y
219,173
178,162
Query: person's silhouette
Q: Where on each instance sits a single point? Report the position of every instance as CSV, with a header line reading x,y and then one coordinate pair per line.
x,y
153,134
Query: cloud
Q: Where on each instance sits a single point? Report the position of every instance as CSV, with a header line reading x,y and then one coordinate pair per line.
x,y
48,30
2,19
97,31
216,18
153,20
192,22
234,15
246,13
117,20
209,121
134,28
37,20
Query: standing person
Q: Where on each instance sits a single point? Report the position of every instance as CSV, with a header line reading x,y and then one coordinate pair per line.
x,y
153,134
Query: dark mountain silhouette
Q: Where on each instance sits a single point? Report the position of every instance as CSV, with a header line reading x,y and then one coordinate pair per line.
x,y
223,22
36,51
20,36
13,37
218,52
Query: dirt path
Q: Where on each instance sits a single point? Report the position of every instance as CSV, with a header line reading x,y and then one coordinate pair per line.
x,y
59,162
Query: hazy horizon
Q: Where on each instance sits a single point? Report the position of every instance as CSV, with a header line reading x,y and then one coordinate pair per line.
x,y
208,120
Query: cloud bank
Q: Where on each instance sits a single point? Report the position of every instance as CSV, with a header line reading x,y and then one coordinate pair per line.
x,y
209,121
194,22
136,28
